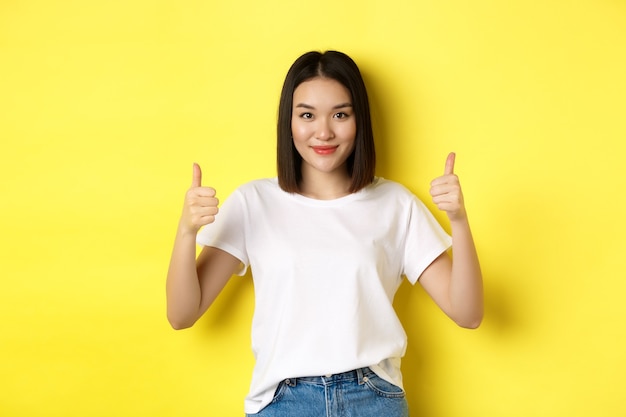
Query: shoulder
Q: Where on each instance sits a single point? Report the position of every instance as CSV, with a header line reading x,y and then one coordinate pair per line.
x,y
261,183
264,188
391,193
388,188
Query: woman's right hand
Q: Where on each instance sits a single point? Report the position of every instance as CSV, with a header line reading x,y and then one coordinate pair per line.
x,y
200,205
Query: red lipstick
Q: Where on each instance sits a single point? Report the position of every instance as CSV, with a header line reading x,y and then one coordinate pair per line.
x,y
324,150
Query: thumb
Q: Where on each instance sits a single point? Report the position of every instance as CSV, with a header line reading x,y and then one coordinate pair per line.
x,y
450,164
197,176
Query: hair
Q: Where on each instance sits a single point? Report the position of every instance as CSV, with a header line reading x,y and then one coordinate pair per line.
x,y
340,67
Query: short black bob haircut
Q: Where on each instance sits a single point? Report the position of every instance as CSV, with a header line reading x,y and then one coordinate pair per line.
x,y
340,67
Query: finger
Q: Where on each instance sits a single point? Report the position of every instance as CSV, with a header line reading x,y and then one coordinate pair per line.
x,y
445,180
450,164
197,176
205,200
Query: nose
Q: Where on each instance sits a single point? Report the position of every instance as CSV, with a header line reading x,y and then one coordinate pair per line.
x,y
324,130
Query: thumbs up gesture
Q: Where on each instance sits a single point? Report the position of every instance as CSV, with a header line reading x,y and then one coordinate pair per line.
x,y
446,192
200,205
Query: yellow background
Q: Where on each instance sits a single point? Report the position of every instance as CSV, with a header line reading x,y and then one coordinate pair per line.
x,y
105,105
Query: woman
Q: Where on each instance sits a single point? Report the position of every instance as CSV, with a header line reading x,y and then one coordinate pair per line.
x,y
328,244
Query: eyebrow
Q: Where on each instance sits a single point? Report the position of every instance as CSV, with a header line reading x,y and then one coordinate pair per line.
x,y
338,106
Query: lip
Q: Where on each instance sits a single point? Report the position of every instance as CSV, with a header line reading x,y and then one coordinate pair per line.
x,y
324,150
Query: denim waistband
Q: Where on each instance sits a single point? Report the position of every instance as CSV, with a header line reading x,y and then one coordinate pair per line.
x,y
360,375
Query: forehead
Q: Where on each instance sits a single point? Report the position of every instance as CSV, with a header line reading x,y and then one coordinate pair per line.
x,y
321,90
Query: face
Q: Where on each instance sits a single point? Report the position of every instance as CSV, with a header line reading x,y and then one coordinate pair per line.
x,y
323,126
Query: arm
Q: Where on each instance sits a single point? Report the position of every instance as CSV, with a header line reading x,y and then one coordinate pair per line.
x,y
455,284
192,286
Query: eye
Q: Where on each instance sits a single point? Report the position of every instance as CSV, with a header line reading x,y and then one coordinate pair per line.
x,y
341,115
306,115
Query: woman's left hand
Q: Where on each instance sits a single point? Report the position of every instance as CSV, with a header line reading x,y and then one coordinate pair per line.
x,y
446,192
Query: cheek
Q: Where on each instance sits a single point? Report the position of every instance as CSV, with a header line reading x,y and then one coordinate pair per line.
x,y
348,130
298,131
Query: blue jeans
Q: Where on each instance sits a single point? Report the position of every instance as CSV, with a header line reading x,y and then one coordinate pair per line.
x,y
359,393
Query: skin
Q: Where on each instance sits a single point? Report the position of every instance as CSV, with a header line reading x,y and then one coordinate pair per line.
x,y
456,286
323,129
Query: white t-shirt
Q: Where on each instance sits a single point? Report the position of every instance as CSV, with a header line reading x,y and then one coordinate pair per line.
x,y
325,273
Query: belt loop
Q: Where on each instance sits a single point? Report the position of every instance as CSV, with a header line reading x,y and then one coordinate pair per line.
x,y
359,375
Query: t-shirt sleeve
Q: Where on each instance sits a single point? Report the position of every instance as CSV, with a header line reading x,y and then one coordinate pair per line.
x,y
426,240
227,232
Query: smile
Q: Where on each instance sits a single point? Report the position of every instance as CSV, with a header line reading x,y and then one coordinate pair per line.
x,y
324,150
